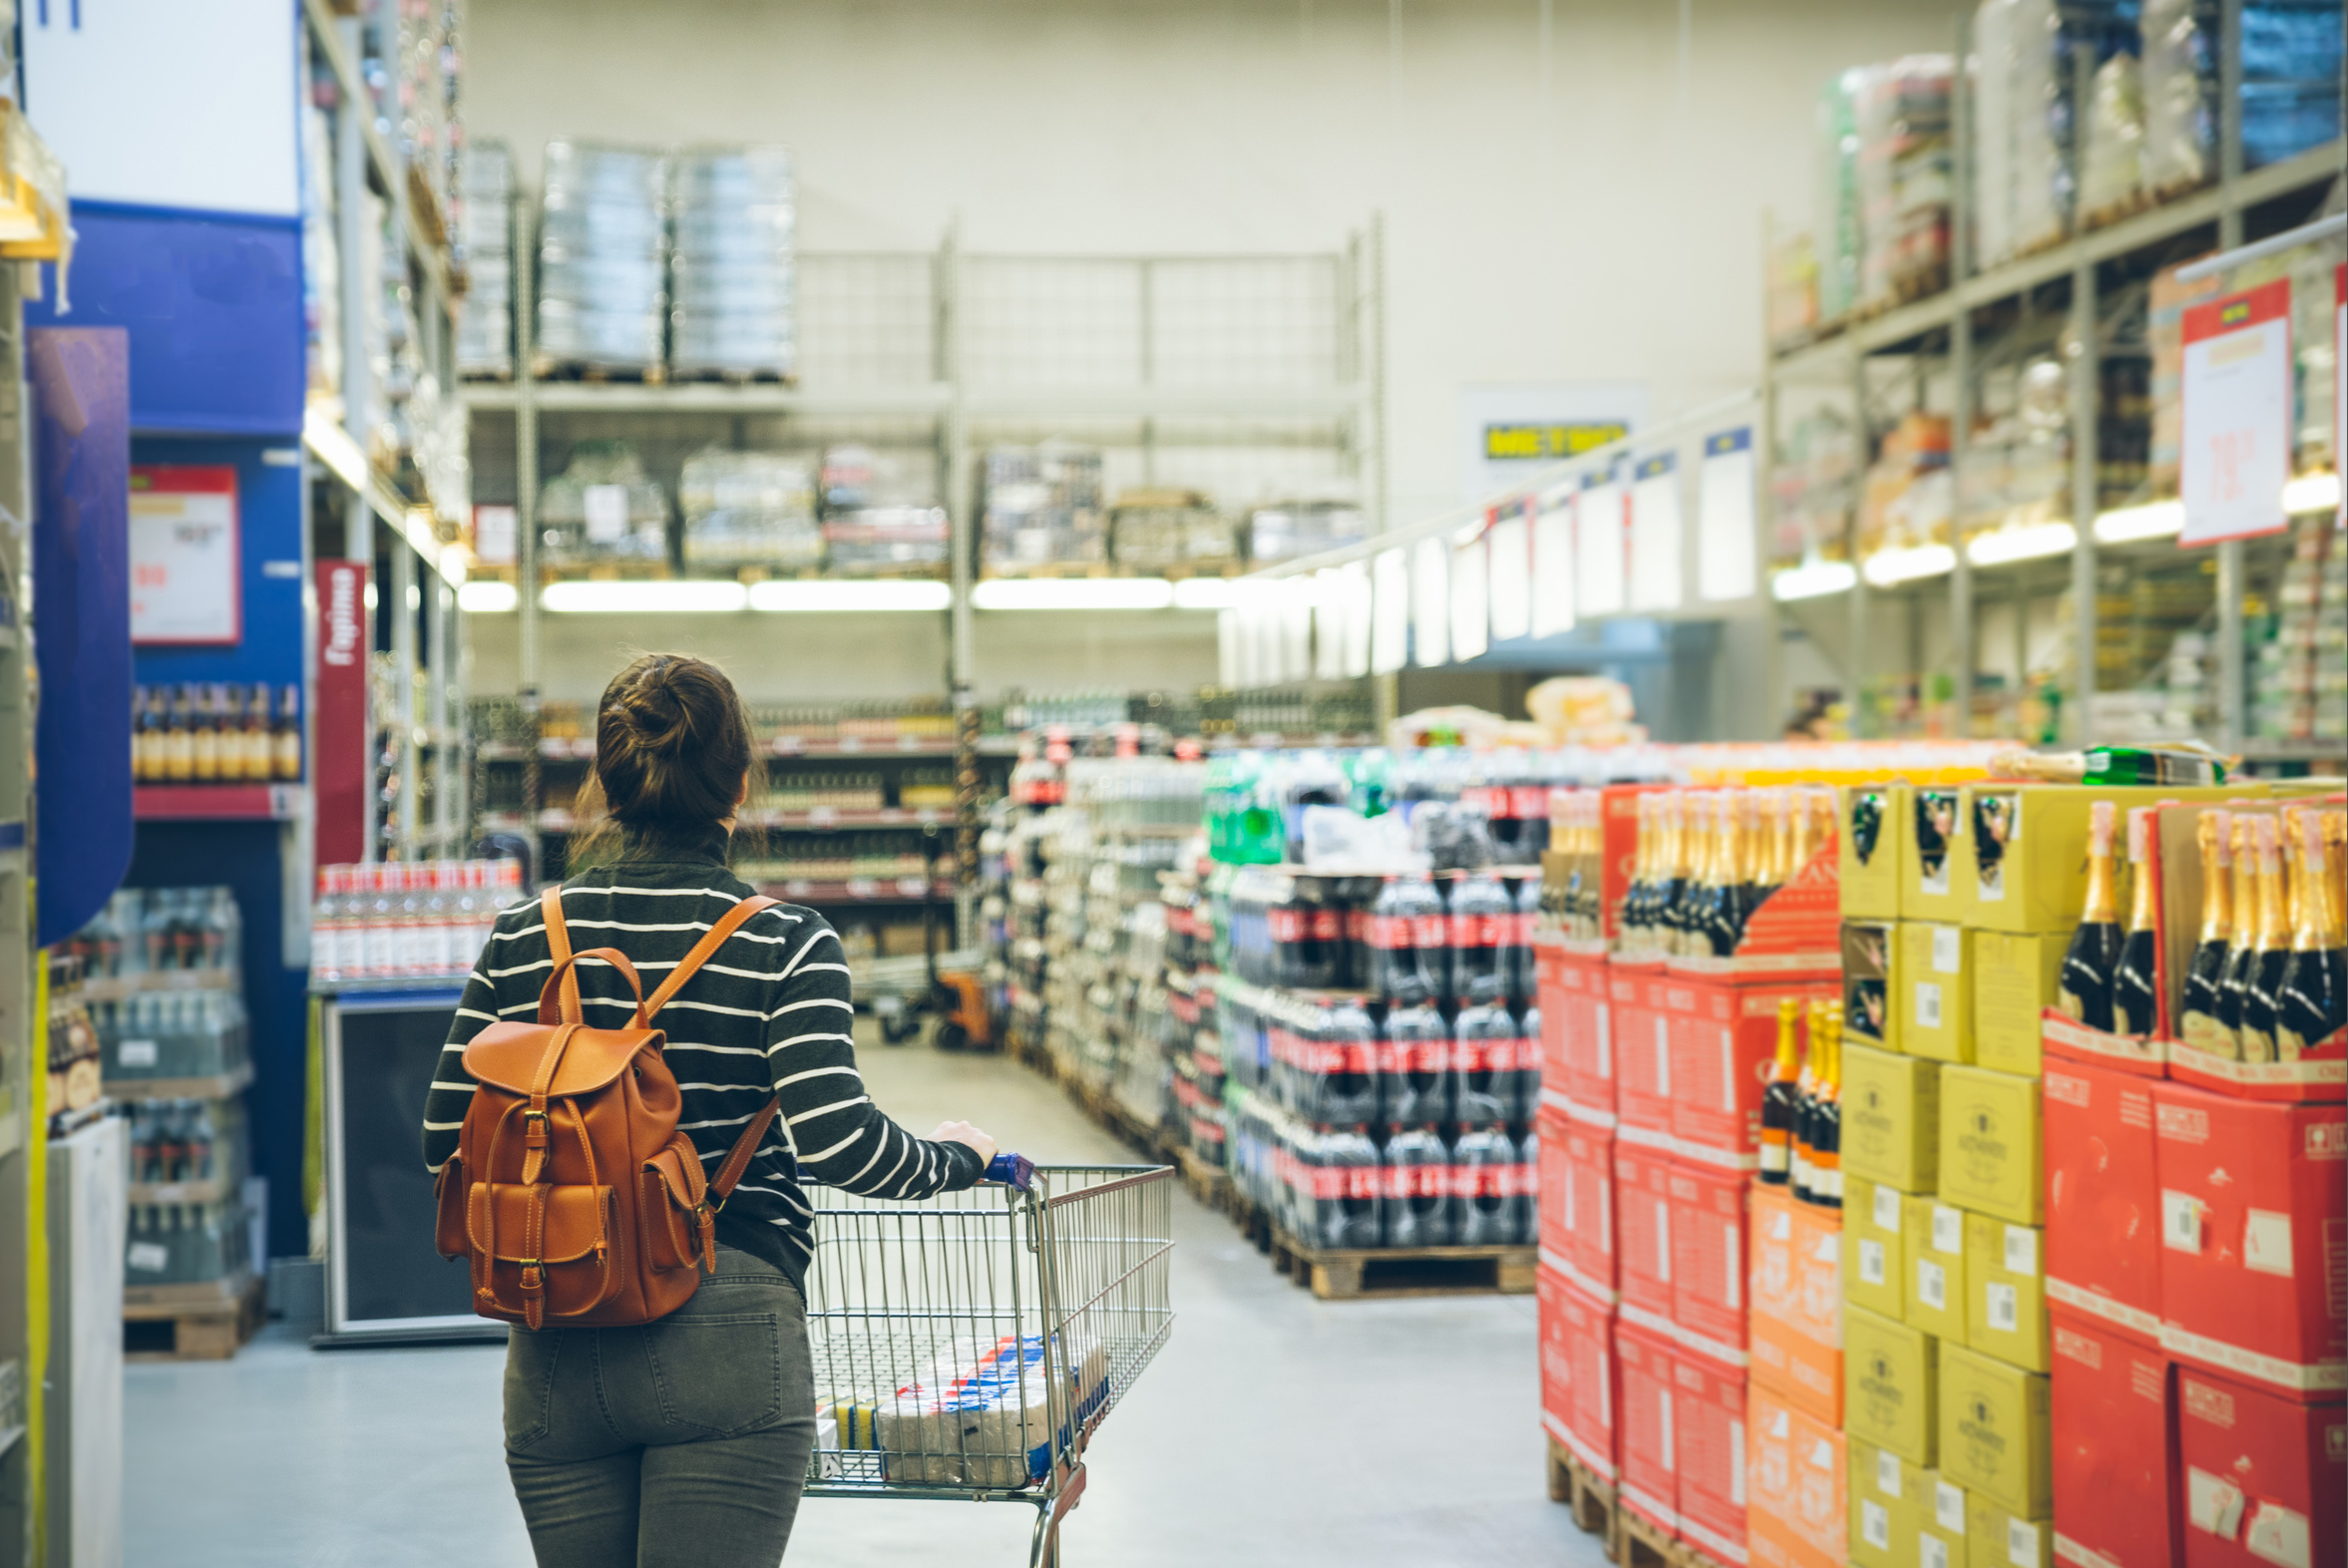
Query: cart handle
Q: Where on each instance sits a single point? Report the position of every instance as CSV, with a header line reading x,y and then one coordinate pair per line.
x,y
1011,1170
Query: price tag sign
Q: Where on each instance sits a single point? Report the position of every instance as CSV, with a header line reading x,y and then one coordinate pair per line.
x,y
1430,604
1553,568
1654,532
1723,519
1598,545
2236,451
184,584
1509,540
1472,622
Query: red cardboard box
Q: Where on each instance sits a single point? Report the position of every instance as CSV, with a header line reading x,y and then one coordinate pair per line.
x,y
1637,997
2114,1399
1708,1435
1795,1287
1597,1385
1709,1254
1643,1232
2254,1237
1796,1486
2103,1195
1724,1040
1557,1360
1649,1484
1589,1213
1553,1217
1577,1052
2265,1477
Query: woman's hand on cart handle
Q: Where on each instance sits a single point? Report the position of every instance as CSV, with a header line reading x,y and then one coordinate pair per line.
x,y
963,1133
1011,1170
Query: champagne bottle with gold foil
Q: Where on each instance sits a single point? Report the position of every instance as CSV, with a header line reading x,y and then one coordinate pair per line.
x,y
204,736
1826,1120
1638,898
2091,964
1778,1099
2313,1004
1672,874
179,739
2270,946
1804,1176
2233,987
2135,988
2197,1006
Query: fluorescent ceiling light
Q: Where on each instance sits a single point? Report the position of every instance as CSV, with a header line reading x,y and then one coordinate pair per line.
x,y
1206,593
2154,519
687,597
1073,594
1887,567
827,595
488,596
2313,492
1815,581
2027,543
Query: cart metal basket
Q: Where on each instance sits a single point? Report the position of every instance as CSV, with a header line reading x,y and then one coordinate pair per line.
x,y
966,1348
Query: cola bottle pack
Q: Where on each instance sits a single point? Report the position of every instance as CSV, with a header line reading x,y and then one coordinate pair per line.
x,y
1337,1079
1306,934
1484,1056
1417,1189
1356,895
1348,1190
1523,981
1401,969
1483,1188
1416,1065
1482,929
1528,1187
1528,1062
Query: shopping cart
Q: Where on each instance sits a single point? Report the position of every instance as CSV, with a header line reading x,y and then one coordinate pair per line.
x,y
967,1348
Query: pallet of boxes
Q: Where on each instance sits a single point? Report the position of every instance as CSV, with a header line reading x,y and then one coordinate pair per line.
x,y
2093,1238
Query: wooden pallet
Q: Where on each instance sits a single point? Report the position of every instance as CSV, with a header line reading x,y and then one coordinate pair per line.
x,y
1590,1499
1389,1271
1050,569
617,572
191,1323
1181,570
547,368
735,378
1209,1184
1642,1543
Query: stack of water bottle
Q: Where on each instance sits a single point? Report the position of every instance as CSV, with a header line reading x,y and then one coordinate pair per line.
x,y
602,252
190,1162
162,969
1380,1038
389,921
733,264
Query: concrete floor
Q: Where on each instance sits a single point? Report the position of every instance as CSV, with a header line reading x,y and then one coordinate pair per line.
x,y
1273,1430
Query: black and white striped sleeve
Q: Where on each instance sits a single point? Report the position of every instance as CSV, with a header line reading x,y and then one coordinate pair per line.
x,y
452,1086
838,1135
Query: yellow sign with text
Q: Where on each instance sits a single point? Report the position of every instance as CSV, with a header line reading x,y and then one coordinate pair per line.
x,y
1512,443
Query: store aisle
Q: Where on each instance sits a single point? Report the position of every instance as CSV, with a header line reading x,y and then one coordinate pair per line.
x,y
1274,1430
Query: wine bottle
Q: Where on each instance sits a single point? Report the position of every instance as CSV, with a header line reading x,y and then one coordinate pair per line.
x,y
2113,765
2313,1004
1826,1120
285,736
2135,988
206,730
1778,1098
1670,878
2234,986
2262,981
2092,963
261,748
1802,1176
1590,910
1633,920
180,737
1724,910
2198,1007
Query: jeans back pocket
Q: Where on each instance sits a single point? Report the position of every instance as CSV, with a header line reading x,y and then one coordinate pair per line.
x,y
716,1374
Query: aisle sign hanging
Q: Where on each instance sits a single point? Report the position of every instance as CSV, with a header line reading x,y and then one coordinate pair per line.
x,y
1598,545
1553,565
2236,449
1508,538
1724,517
1430,604
1471,612
185,586
1654,532
1390,613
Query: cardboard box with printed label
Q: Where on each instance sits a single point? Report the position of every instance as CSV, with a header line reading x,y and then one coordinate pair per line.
x,y
1874,1247
1871,983
1797,1508
2254,1237
1588,1204
2103,1195
1941,1524
2264,1478
1994,1435
1796,1293
1709,1253
1556,1340
1996,1537
1889,1384
1935,998
1989,1143
1934,1293
2014,983
1596,1391
1891,1118
1724,1040
1649,1484
1577,1055
1639,1030
1708,1428
2027,870
1871,822
2006,1291
1933,853
1553,1219
2111,1406
1642,1236
1885,1502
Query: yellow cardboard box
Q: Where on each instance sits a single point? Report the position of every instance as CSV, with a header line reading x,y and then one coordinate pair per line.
x,y
1874,1255
1891,1118
1889,1384
1940,1524
2006,1291
1933,1296
2027,866
1937,991
1870,820
2014,979
1995,1538
1993,1430
1931,853
1886,1496
1989,1143
1870,982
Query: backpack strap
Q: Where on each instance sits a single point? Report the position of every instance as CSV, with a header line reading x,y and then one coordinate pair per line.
x,y
550,904
727,924
738,1159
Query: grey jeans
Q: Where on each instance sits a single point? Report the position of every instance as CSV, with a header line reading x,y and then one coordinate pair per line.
x,y
682,1441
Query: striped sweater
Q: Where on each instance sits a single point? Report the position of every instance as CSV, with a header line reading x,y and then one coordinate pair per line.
x,y
769,1014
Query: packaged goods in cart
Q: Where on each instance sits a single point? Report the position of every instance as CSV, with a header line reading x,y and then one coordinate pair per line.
x,y
982,1416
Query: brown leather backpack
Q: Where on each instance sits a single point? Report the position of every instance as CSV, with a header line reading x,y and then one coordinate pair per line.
x,y
572,1192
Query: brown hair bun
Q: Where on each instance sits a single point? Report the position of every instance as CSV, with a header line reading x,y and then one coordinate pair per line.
x,y
672,743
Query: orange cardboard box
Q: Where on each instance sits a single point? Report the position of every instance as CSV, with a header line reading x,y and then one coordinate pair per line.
x,y
1649,1484
1796,1293
1796,1486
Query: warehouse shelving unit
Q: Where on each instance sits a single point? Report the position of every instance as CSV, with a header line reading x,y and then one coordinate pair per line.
x,y
1925,354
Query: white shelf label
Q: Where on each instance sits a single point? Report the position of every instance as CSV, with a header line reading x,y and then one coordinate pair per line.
x,y
148,1257
135,1053
1724,531
184,584
2236,452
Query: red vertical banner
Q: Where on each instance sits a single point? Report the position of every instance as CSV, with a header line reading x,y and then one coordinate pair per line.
x,y
339,715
